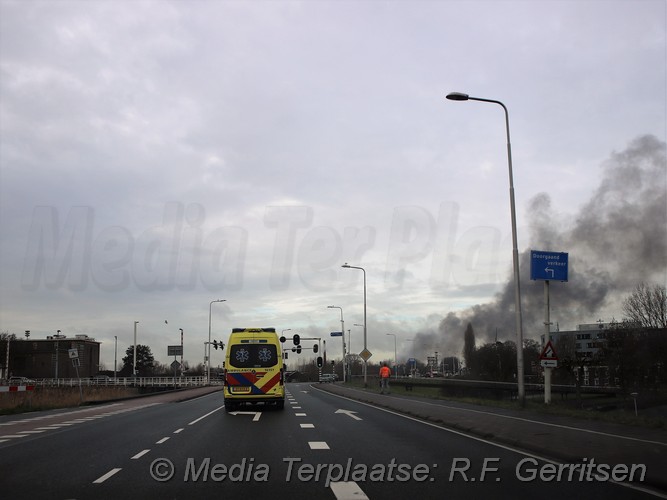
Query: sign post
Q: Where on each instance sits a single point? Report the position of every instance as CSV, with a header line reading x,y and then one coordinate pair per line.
x,y
548,266
340,334
74,356
548,360
175,350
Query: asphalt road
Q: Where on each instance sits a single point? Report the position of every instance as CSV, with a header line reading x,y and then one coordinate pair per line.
x,y
320,446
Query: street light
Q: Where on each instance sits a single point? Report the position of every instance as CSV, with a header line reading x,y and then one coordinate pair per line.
x,y
414,361
181,329
349,343
342,326
134,359
458,96
208,358
282,335
347,266
395,360
115,359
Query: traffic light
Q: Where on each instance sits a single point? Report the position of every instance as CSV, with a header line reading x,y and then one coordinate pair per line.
x,y
296,339
298,349
319,361
215,345
315,348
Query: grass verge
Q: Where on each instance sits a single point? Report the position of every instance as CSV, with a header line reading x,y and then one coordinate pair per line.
x,y
588,407
49,398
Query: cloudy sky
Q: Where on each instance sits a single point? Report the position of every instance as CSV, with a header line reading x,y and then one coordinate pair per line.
x,y
156,156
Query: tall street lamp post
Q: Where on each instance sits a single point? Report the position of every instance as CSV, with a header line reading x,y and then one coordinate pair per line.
x,y
395,360
208,358
347,266
458,96
181,329
282,334
342,330
414,362
134,358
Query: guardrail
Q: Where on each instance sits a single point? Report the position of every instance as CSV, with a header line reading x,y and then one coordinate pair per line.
x,y
124,382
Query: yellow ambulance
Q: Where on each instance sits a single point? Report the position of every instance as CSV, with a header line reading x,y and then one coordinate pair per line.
x,y
254,370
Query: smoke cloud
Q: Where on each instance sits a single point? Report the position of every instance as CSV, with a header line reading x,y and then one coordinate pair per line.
x,y
617,240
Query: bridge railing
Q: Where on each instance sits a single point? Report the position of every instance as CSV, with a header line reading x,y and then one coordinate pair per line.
x,y
126,382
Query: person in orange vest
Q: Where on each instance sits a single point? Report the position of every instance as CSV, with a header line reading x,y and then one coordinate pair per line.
x,y
385,374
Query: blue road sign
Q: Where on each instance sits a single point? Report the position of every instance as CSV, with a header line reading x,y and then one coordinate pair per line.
x,y
336,334
548,266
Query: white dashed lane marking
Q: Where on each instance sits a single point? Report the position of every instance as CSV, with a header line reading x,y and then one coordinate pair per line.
x,y
106,476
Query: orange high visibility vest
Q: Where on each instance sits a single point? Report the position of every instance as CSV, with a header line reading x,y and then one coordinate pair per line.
x,y
385,372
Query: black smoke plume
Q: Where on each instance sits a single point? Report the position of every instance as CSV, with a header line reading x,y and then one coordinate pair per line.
x,y
617,240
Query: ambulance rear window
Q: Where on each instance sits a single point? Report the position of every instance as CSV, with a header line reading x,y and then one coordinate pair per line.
x,y
253,355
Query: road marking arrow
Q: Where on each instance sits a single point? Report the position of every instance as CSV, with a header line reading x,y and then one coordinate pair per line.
x,y
349,413
256,414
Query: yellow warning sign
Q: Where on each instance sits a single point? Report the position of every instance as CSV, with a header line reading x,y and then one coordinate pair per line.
x,y
365,354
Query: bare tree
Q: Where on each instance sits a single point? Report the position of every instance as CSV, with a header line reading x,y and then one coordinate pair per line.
x,y
647,307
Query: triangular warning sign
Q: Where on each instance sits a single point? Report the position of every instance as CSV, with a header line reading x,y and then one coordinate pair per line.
x,y
548,352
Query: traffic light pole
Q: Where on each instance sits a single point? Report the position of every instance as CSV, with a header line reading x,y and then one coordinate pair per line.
x,y
215,344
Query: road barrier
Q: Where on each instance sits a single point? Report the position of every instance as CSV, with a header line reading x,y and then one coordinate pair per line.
x,y
16,388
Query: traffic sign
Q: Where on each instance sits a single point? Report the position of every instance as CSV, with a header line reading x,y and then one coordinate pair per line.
x,y
365,354
548,266
73,353
174,350
549,352
548,357
336,334
549,363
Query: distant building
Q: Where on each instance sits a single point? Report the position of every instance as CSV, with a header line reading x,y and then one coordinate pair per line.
x,y
50,357
586,340
583,344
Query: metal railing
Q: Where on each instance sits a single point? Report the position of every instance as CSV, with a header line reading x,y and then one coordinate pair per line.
x,y
126,382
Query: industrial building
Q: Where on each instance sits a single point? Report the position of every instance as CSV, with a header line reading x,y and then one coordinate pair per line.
x,y
57,356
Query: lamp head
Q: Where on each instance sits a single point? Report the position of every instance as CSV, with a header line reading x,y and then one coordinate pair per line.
x,y
345,265
457,96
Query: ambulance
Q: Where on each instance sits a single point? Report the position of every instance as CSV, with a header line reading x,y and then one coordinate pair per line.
x,y
254,370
